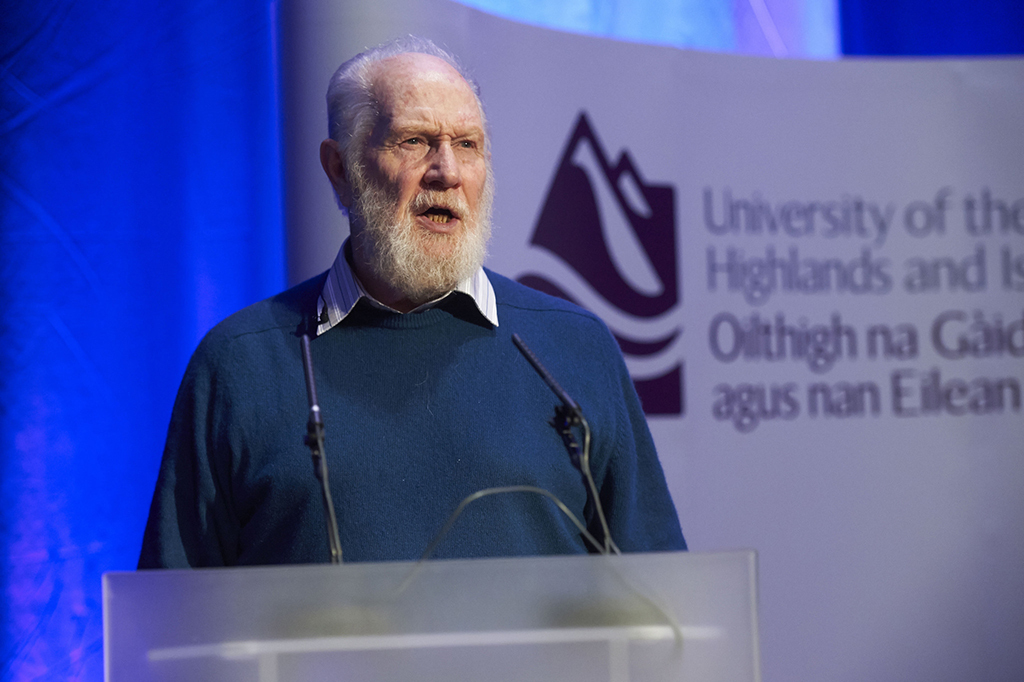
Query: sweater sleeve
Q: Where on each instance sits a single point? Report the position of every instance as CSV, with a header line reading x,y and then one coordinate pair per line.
x,y
190,520
634,493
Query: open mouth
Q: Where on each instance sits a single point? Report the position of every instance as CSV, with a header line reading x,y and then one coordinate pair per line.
x,y
438,215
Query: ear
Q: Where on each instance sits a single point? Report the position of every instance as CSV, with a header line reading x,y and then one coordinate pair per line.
x,y
333,162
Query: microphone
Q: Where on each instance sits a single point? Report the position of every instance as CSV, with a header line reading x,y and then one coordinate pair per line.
x,y
315,443
569,415
570,405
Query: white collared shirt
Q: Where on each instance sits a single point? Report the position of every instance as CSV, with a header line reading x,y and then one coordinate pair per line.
x,y
342,290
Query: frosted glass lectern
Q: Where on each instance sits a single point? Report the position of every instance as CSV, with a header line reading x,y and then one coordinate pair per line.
x,y
662,616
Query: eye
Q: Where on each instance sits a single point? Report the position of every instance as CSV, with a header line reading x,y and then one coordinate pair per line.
x,y
467,144
413,141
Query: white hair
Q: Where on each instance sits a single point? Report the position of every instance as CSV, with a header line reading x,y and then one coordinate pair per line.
x,y
352,108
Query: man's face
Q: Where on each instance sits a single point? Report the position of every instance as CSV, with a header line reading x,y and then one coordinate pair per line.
x,y
422,190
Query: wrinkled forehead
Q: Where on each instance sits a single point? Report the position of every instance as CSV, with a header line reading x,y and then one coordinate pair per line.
x,y
423,85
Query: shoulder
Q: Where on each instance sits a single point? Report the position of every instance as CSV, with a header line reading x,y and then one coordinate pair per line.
x,y
552,325
518,298
282,315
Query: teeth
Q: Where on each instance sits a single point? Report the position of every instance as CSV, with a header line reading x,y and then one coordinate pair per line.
x,y
438,217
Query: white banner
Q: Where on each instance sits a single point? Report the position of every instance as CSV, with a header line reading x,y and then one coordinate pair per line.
x,y
816,273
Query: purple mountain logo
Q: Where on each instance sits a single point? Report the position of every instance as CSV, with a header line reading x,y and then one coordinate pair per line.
x,y
615,238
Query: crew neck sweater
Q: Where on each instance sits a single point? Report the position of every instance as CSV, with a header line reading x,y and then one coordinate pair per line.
x,y
420,410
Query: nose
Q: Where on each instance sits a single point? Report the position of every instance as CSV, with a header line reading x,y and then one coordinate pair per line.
x,y
443,171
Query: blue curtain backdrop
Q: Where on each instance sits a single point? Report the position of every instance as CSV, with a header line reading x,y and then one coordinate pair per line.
x,y
932,27
139,204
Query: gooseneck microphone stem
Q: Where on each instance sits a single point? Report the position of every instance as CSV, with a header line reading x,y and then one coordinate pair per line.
x,y
569,415
315,442
568,402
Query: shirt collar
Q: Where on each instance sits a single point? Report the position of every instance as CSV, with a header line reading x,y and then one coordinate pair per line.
x,y
342,290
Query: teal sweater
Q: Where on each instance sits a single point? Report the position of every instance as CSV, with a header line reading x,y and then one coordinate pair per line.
x,y
421,410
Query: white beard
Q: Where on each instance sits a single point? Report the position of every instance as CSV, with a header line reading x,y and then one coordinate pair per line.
x,y
419,264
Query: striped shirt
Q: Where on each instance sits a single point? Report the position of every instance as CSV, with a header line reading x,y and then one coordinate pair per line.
x,y
342,290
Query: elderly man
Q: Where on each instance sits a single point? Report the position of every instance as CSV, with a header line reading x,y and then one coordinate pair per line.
x,y
426,398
